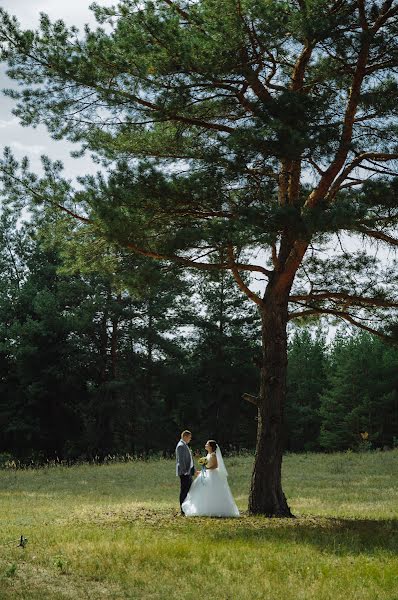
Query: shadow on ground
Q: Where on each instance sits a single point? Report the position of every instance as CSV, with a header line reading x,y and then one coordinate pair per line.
x,y
332,535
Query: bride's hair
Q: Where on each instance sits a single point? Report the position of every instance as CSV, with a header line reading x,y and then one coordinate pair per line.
x,y
213,445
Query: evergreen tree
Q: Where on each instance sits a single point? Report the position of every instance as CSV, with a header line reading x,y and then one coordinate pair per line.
x,y
306,380
223,362
41,384
83,365
361,395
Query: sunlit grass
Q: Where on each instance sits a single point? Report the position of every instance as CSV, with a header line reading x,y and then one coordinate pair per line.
x,y
114,532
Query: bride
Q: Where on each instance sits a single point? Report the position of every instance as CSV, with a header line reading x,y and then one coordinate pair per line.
x,y
209,495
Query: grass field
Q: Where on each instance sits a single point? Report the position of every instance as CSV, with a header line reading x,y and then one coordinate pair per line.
x,y
113,532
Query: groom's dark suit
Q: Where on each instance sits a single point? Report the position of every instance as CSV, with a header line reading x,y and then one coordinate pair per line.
x,y
184,468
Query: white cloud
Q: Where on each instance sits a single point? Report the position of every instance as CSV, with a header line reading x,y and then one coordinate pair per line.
x,y
8,123
28,148
74,12
26,140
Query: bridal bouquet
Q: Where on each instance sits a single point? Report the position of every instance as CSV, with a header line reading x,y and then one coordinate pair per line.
x,y
203,462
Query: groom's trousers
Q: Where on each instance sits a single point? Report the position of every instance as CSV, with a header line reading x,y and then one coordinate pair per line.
x,y
186,482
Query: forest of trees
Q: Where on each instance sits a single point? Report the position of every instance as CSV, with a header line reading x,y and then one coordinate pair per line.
x,y
90,368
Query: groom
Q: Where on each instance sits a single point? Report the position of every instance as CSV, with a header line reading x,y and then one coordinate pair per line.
x,y
184,465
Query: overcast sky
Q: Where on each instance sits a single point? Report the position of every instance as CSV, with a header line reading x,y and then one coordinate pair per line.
x,y
26,141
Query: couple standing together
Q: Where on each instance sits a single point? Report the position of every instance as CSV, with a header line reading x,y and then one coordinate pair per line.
x,y
209,495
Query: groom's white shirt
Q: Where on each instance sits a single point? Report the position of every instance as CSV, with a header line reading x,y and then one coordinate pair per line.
x,y
190,453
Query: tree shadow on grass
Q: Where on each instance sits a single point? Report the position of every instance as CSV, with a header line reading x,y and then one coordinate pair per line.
x,y
336,536
332,535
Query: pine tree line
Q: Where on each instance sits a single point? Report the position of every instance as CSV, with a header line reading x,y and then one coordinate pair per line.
x,y
89,368
343,394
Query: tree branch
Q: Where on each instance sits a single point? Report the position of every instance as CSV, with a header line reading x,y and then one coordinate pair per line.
x,y
385,13
195,265
348,124
179,10
379,156
235,271
291,265
353,300
46,199
362,15
340,314
379,235
252,399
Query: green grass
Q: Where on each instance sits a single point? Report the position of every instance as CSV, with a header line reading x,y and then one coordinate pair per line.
x,y
113,532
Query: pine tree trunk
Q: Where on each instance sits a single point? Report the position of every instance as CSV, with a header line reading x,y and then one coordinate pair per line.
x,y
103,348
115,340
149,377
266,495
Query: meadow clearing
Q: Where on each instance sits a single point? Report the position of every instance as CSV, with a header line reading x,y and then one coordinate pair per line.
x,y
113,532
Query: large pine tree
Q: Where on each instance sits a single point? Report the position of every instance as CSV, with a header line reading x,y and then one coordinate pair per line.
x,y
230,127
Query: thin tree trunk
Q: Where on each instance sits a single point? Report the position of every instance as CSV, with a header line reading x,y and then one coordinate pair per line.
x,y
149,375
103,348
115,340
266,494
218,392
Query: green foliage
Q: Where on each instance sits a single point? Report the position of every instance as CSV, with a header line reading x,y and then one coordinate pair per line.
x,y
222,364
307,371
361,396
100,350
191,109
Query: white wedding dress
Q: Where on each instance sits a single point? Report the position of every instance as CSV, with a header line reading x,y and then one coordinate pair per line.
x,y
209,495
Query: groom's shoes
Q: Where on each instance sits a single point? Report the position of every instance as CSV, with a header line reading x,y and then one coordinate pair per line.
x,y
182,514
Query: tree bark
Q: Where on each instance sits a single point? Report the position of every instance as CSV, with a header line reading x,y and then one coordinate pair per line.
x,y
115,340
266,494
149,374
103,348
